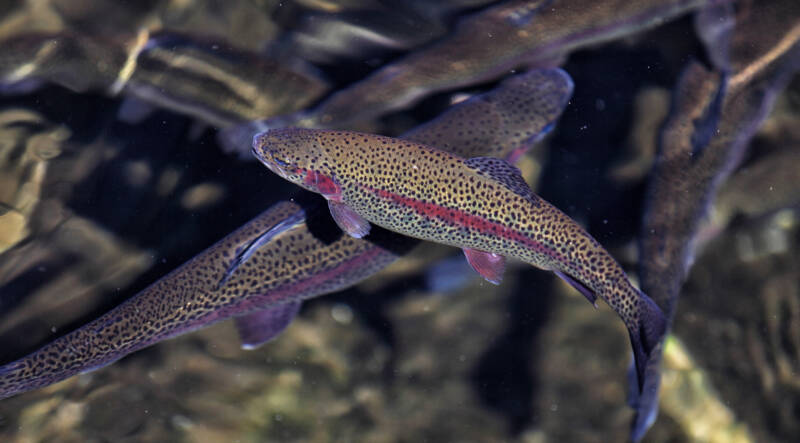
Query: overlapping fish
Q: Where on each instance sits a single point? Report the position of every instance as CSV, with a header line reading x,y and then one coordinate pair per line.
x,y
487,44
260,273
714,115
481,205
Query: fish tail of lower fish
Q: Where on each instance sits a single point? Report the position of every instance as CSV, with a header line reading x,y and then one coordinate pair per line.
x,y
80,351
34,371
54,362
15,379
7,374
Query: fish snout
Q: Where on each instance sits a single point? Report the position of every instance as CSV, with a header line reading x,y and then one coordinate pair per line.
x,y
262,150
258,142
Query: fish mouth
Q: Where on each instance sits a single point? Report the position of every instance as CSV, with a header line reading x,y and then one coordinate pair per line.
x,y
261,154
255,144
265,161
261,151
273,164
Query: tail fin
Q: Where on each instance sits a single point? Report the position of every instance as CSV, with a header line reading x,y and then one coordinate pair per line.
x,y
644,400
645,374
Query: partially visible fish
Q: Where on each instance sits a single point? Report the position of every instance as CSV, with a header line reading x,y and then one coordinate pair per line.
x,y
714,116
481,205
359,31
264,294
211,80
260,273
218,83
762,187
68,59
511,118
486,45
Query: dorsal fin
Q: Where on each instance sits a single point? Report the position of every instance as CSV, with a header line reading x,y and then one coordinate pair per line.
x,y
249,249
505,173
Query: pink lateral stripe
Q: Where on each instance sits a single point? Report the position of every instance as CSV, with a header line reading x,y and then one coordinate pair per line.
x,y
462,218
254,299
300,286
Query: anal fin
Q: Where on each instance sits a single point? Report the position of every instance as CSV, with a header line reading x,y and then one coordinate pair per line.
x,y
488,264
261,326
588,293
348,219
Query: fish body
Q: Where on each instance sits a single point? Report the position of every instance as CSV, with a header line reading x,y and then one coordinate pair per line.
x,y
263,297
486,45
715,114
482,205
261,272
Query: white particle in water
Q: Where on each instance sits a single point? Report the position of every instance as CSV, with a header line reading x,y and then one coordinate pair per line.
x,y
342,313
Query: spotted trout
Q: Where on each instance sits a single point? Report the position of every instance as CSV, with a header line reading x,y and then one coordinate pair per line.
x,y
481,204
260,274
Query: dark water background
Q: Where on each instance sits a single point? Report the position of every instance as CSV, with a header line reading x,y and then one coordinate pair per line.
x,y
387,360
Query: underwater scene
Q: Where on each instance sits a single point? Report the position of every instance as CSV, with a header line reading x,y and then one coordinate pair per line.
x,y
400,221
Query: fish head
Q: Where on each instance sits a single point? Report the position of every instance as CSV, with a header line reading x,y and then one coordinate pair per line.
x,y
297,156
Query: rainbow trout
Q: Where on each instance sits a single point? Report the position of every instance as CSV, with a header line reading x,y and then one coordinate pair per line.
x,y
481,204
714,116
484,46
260,273
188,298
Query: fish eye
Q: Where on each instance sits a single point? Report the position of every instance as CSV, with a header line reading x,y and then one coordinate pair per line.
x,y
279,162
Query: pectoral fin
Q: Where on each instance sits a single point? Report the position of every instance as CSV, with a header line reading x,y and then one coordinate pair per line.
x,y
488,264
259,327
348,220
